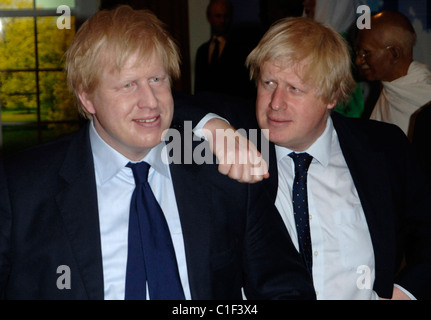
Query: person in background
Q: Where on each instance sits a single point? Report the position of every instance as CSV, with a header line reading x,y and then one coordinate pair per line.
x,y
222,57
104,214
385,54
362,219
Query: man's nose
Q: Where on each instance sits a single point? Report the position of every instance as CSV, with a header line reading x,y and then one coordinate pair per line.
x,y
279,99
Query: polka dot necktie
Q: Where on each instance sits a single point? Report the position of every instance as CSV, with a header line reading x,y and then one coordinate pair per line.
x,y
300,205
151,255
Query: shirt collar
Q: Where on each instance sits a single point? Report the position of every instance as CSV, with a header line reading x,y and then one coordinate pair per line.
x,y
108,162
221,39
320,149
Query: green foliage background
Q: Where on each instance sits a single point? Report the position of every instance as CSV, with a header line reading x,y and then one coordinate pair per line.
x,y
20,69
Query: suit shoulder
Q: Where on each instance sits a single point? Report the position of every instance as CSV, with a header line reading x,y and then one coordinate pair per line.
x,y
203,48
377,130
37,158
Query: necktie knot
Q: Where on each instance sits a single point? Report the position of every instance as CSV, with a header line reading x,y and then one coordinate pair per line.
x,y
302,161
140,171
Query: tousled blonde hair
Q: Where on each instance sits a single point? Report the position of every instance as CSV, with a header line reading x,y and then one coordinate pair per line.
x,y
108,39
325,53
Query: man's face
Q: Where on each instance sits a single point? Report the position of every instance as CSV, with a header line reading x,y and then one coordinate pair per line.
x,y
132,107
219,18
372,57
289,108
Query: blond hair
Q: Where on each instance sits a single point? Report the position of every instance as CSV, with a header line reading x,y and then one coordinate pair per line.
x,y
108,39
326,56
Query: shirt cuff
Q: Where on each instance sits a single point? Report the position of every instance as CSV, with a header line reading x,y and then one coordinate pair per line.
x,y
412,297
198,129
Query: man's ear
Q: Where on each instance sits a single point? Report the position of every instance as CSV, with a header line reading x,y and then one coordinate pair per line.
x,y
395,53
87,102
332,104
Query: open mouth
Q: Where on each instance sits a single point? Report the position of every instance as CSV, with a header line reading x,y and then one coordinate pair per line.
x,y
148,120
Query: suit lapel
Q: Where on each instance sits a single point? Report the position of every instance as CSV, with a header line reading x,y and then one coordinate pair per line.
x,y
195,224
271,184
77,202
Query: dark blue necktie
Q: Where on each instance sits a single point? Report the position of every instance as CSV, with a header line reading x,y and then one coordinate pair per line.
x,y
216,52
151,256
300,205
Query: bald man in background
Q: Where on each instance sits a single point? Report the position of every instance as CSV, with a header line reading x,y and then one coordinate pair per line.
x,y
385,53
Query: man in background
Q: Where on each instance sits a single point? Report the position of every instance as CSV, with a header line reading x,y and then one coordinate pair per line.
x,y
220,61
385,53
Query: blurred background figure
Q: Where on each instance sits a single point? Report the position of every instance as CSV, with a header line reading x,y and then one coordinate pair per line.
x,y
340,15
220,62
385,54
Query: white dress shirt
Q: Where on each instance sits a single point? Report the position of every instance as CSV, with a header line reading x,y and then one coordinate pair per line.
x,y
115,185
343,256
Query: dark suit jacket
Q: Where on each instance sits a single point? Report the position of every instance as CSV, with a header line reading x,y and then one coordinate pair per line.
x,y
229,76
49,218
394,197
391,187
421,138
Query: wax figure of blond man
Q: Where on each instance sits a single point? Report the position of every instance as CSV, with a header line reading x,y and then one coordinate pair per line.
x,y
64,206
369,213
385,54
